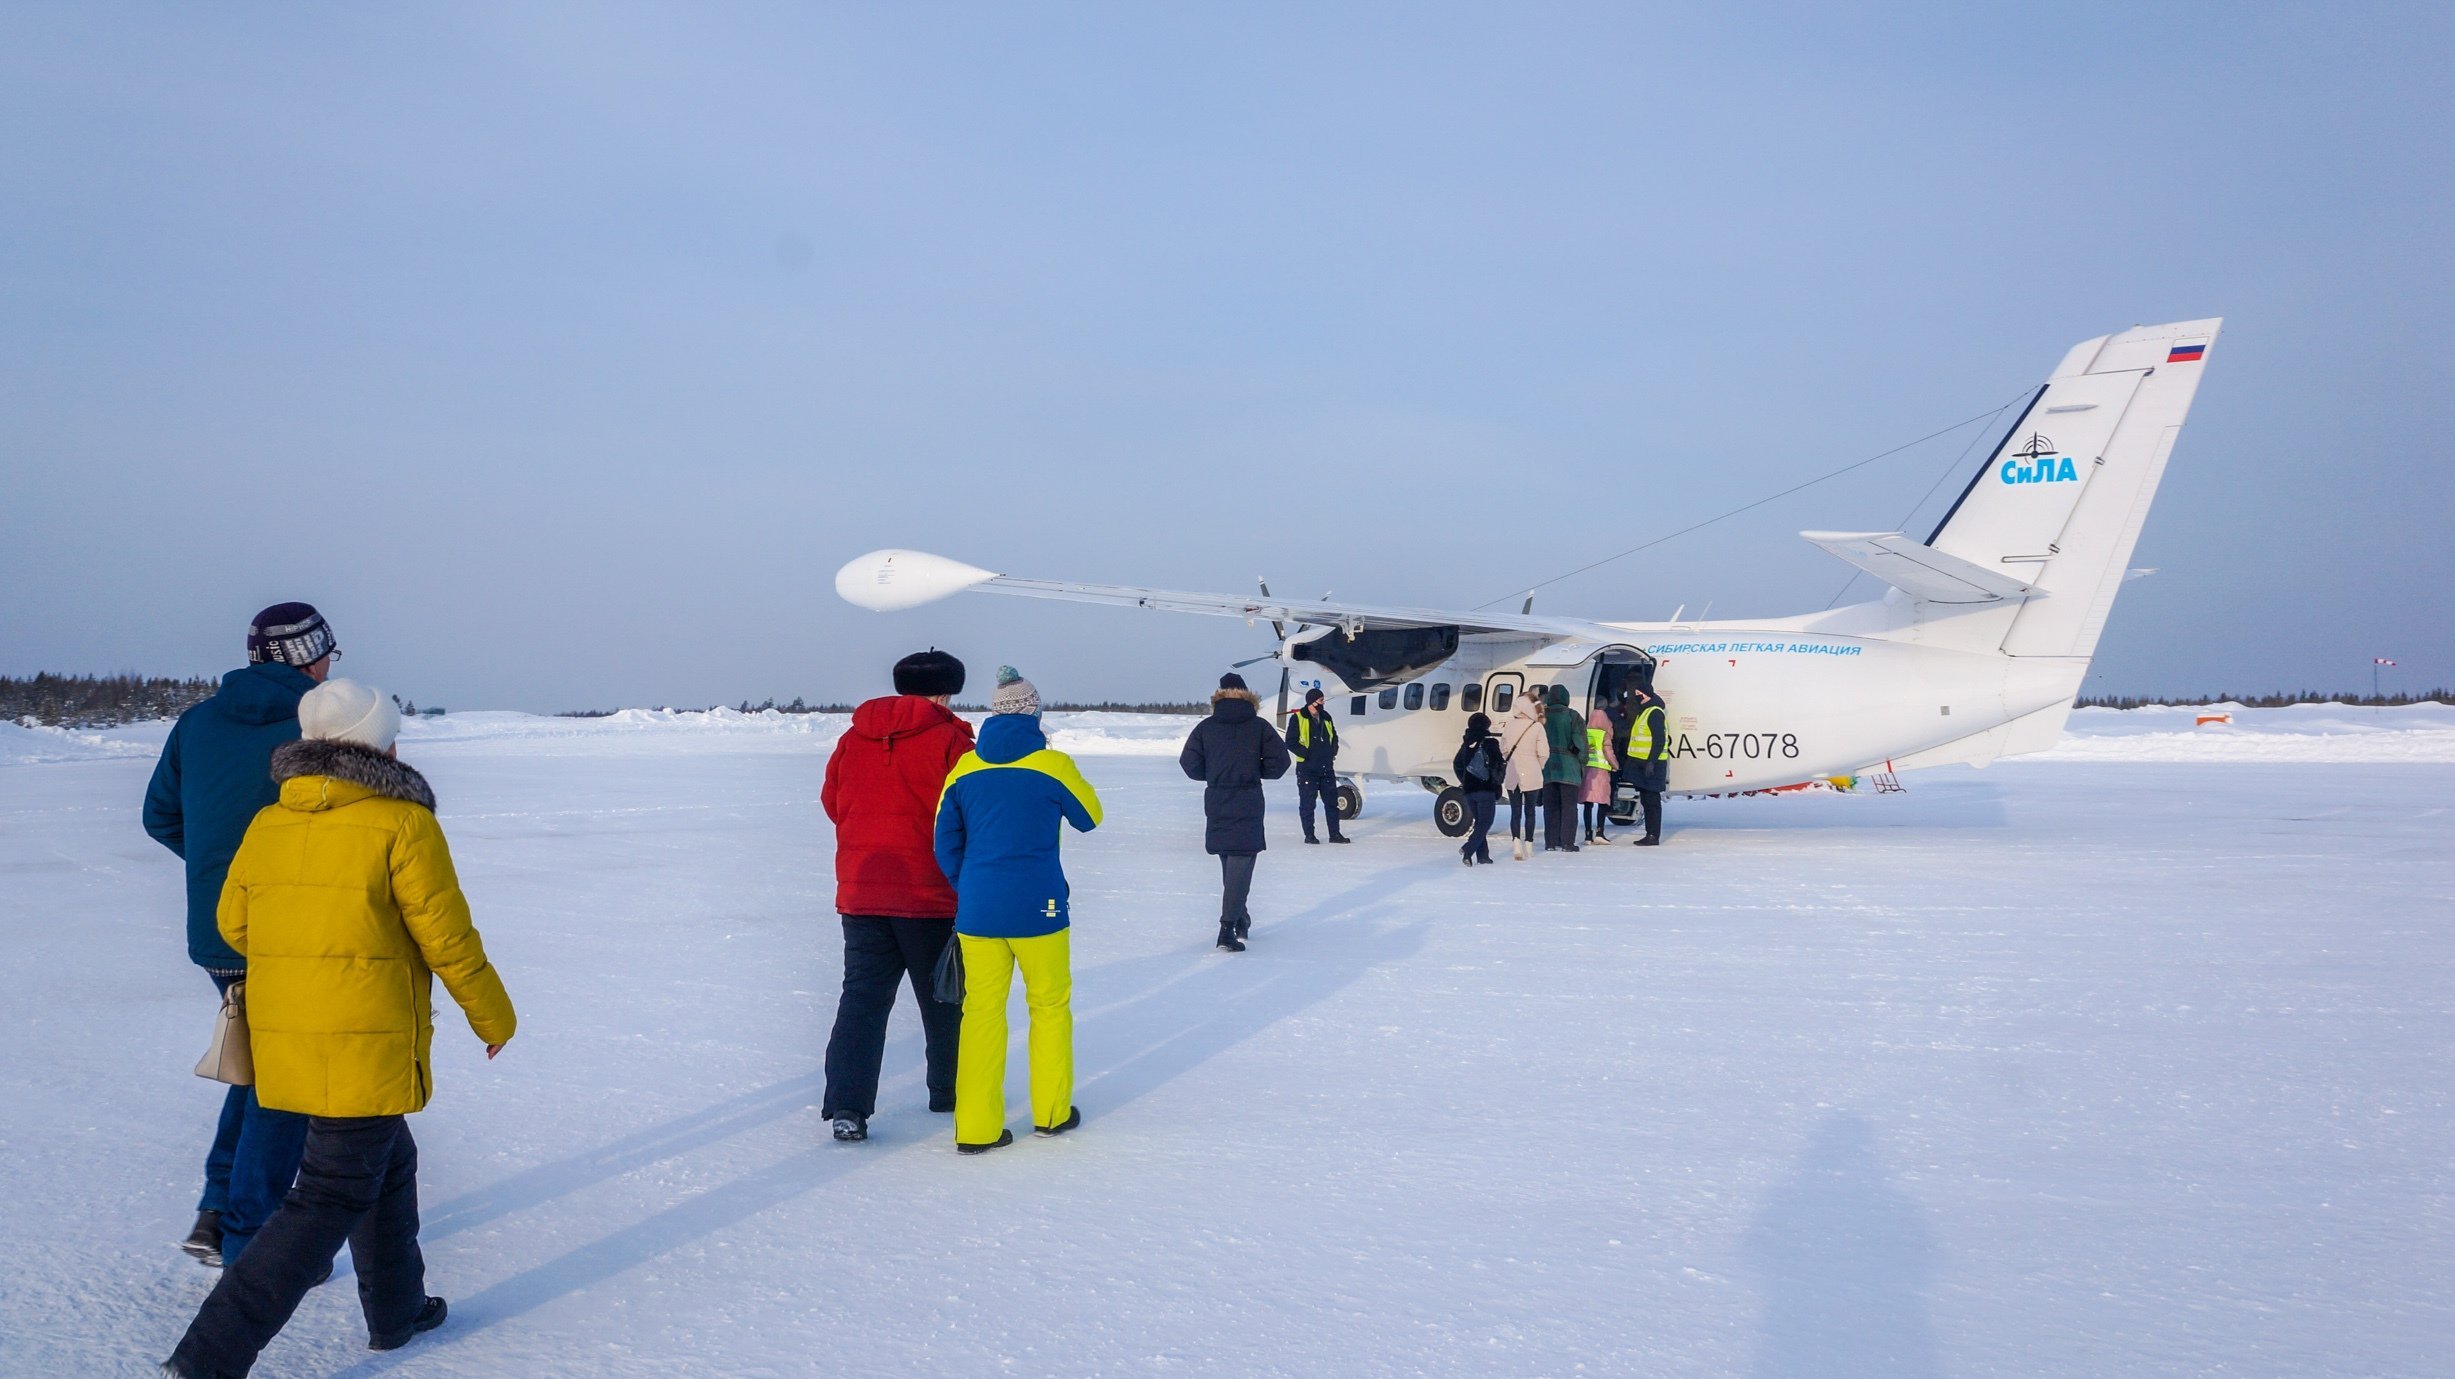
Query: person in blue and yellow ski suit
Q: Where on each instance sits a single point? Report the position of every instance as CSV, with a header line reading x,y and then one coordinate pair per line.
x,y
997,833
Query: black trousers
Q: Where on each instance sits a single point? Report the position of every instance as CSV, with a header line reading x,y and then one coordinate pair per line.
x,y
1236,887
1523,814
880,953
1559,814
1323,789
357,1183
1480,804
1651,802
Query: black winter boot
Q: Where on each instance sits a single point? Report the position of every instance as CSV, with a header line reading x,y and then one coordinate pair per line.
x,y
1004,1138
429,1317
851,1128
1228,939
1074,1117
204,1244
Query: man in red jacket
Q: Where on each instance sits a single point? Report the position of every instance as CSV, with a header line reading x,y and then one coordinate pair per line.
x,y
883,783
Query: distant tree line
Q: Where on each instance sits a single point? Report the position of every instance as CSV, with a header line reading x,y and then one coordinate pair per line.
x,y
2265,701
97,701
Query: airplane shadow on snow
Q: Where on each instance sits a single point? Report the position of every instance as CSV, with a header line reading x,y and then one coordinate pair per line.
x,y
1123,1050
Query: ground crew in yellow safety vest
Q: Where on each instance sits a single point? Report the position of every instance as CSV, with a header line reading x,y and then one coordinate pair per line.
x,y
1312,739
1644,741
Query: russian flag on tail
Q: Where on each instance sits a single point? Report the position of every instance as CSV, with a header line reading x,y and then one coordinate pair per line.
x,y
2186,352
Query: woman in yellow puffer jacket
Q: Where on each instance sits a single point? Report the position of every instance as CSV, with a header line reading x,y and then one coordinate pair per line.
x,y
344,901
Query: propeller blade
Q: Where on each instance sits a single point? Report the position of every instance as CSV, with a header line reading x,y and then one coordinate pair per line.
x,y
1250,660
1284,672
1275,624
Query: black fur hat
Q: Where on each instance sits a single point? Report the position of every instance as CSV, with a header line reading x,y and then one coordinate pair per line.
x,y
1232,680
928,674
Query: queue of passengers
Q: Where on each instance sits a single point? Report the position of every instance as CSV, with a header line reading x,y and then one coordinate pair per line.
x,y
322,903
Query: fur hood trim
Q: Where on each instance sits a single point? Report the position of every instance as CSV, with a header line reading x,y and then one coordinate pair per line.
x,y
356,764
1245,694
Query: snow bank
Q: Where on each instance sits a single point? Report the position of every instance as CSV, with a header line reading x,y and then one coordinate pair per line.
x,y
1084,734
2297,733
23,744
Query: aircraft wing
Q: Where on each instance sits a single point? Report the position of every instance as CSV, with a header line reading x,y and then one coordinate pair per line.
x,y
891,580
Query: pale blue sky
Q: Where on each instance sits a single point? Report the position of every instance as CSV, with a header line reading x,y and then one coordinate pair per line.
x,y
561,353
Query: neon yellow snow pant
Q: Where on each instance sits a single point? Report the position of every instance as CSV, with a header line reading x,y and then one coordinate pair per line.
x,y
980,1056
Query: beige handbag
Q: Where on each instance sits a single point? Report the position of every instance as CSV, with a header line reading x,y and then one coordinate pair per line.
x,y
228,1058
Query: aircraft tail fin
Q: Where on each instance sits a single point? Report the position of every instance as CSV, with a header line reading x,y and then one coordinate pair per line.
x,y
2059,504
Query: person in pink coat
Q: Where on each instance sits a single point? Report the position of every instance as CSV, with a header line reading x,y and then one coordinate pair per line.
x,y
1594,798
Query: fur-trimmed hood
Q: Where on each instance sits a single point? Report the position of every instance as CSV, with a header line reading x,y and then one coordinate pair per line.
x,y
1245,694
358,765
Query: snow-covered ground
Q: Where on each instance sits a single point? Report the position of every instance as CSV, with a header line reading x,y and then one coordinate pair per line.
x,y
2133,1060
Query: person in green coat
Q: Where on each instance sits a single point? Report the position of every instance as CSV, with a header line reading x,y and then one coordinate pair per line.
x,y
1563,771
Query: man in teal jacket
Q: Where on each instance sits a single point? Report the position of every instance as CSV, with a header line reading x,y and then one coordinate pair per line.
x,y
215,773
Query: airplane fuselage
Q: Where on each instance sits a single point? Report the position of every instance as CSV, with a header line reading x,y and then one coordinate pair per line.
x,y
1748,706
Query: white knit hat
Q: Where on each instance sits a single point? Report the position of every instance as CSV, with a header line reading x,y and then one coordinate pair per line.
x,y
346,711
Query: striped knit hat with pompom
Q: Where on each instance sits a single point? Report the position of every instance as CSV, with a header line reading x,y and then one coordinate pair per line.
x,y
1014,694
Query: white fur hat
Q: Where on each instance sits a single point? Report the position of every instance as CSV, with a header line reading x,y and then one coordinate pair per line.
x,y
346,711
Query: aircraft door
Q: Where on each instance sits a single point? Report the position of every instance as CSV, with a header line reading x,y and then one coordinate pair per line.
x,y
1500,693
1614,673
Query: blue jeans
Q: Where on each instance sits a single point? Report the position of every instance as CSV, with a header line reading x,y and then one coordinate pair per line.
x,y
1480,805
252,1163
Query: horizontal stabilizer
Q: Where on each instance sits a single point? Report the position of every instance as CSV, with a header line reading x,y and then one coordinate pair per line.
x,y
1922,572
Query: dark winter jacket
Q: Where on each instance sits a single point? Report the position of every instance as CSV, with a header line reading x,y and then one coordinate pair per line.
x,y
1566,733
1644,771
998,828
1313,742
1493,768
883,783
216,771
1232,752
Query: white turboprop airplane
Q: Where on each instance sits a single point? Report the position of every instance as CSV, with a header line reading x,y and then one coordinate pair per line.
x,y
1975,652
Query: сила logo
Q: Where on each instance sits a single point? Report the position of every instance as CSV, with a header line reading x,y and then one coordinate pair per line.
x,y
2036,462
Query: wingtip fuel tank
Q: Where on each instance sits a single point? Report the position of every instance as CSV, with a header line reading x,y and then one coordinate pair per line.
x,y
891,581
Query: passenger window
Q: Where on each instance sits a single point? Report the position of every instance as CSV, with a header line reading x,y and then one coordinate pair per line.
x,y
1355,707
1415,695
1440,696
1502,694
1389,697
1470,696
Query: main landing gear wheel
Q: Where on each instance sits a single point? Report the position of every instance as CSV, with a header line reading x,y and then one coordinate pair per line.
x,y
1350,799
1451,815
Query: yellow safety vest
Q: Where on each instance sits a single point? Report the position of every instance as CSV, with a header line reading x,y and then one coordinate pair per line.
x,y
1598,748
1642,731
1304,730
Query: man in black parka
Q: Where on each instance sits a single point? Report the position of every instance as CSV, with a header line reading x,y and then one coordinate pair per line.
x,y
1232,752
